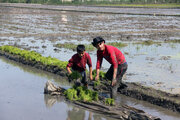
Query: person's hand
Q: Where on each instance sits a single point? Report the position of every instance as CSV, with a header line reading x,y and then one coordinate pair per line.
x,y
113,82
91,77
97,78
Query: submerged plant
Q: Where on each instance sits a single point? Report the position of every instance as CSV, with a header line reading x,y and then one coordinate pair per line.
x,y
117,44
148,42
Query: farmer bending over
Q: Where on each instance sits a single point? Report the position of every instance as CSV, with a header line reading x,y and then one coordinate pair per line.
x,y
78,63
117,60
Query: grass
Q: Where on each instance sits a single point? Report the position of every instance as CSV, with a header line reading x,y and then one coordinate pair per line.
x,y
34,56
89,47
172,41
117,44
170,5
148,42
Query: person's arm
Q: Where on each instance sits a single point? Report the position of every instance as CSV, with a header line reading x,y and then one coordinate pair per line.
x,y
97,74
115,65
69,65
69,70
114,77
90,73
89,62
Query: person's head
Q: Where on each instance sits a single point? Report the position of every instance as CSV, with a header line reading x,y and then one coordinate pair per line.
x,y
80,50
98,42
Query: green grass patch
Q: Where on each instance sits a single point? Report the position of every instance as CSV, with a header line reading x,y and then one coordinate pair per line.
x,y
117,44
34,56
170,5
148,42
172,41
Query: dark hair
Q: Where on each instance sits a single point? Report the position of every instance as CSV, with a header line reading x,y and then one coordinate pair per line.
x,y
80,48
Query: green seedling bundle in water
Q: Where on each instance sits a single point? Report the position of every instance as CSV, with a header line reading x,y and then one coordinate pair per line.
x,y
81,93
33,56
75,75
109,101
101,74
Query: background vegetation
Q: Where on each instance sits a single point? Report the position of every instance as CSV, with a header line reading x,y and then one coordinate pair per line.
x,y
94,2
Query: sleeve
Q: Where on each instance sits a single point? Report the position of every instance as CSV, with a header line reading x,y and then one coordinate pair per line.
x,y
113,58
89,62
70,63
99,60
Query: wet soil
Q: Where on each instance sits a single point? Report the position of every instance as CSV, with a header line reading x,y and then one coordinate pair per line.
x,y
124,27
39,29
157,97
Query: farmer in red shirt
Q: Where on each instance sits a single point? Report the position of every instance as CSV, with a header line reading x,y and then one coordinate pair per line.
x,y
117,60
78,63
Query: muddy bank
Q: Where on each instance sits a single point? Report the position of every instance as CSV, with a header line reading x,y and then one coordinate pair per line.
x,y
36,64
53,24
153,96
166,100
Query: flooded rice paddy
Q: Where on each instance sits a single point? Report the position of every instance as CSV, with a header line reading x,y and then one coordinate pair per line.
x,y
156,65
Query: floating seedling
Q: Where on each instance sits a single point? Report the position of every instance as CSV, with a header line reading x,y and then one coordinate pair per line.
x,y
109,101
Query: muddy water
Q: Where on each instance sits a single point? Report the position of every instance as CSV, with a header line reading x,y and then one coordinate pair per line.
x,y
157,65
22,97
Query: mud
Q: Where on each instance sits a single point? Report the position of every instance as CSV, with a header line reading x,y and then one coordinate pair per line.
x,y
156,66
123,112
166,100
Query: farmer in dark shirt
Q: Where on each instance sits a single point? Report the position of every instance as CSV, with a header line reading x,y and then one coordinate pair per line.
x,y
117,60
78,63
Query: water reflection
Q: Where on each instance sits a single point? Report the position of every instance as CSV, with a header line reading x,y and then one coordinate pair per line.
x,y
50,100
64,18
73,112
50,76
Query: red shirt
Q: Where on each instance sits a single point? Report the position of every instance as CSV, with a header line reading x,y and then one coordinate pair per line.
x,y
78,63
112,54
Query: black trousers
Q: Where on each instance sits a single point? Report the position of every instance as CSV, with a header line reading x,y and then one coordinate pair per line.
x,y
84,78
122,68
